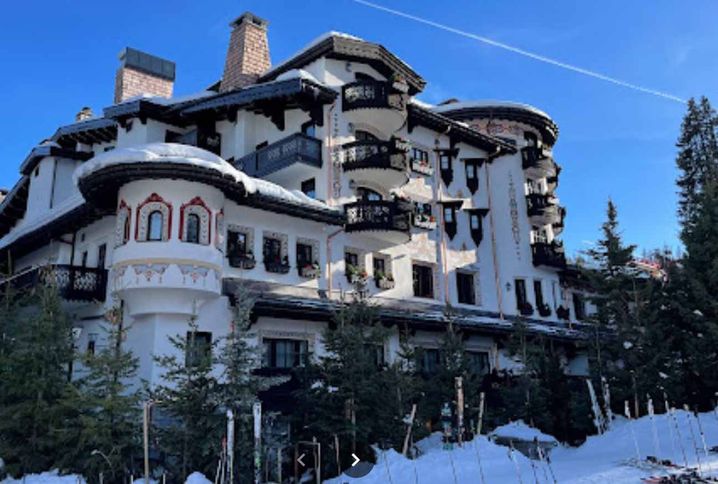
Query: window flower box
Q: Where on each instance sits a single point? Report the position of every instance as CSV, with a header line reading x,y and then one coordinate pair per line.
x,y
563,313
277,266
526,309
424,221
544,310
384,281
356,275
422,167
310,271
242,261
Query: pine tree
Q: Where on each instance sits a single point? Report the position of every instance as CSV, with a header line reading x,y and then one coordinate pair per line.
x,y
189,424
34,376
109,427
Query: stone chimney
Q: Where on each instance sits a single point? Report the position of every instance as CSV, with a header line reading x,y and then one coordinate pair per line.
x,y
248,53
83,114
141,73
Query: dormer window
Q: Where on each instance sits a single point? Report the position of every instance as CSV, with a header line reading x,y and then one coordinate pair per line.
x,y
476,229
449,216
154,220
471,167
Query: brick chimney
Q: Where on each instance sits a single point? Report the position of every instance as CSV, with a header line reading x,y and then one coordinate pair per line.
x,y
142,73
248,53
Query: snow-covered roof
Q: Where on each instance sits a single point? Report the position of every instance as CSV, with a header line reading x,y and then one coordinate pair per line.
x,y
488,103
164,153
168,101
297,74
269,189
311,44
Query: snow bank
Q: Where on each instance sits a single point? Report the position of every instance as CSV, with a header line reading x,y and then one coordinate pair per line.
x,y
51,477
163,153
520,431
197,478
610,457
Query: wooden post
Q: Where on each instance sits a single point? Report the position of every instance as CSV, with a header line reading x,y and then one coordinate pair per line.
x,y
459,383
482,397
409,427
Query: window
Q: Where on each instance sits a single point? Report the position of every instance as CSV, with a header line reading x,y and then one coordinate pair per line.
x,y
472,174
449,215
579,307
423,279
360,135
304,255
520,288
445,160
465,288
199,348
475,222
419,155
285,353
309,188
126,229
430,360
122,227
272,250
236,243
309,128
368,195
351,259
101,256
192,235
450,220
91,344
477,362
376,353
154,229
538,293
84,259
531,139
379,265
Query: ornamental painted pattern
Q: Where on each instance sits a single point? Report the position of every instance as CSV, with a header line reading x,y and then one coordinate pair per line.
x,y
219,230
514,212
148,271
196,206
153,203
122,224
195,273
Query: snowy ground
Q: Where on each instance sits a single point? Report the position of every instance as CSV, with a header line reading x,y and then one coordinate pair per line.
x,y
609,458
602,459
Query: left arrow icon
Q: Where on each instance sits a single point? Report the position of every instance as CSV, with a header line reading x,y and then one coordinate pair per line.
x,y
356,460
299,459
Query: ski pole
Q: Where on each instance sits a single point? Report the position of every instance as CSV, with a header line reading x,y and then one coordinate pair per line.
x,y
513,459
651,416
547,459
693,438
540,457
670,429
703,436
627,411
607,401
533,470
680,437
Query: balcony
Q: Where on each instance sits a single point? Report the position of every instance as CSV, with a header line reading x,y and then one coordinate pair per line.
x,y
549,254
83,284
543,209
385,220
385,163
538,162
286,155
378,103
558,225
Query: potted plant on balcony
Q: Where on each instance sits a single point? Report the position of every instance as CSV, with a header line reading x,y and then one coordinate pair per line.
x,y
424,221
310,271
526,309
279,266
544,310
356,275
563,313
383,281
242,261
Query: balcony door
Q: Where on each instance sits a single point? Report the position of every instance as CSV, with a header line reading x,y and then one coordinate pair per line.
x,y
368,195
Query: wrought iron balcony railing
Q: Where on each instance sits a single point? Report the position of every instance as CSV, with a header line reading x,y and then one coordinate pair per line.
x,y
539,203
73,283
381,215
548,254
374,154
295,148
373,94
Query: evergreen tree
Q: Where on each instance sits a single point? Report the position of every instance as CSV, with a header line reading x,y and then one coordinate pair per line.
x,y
109,427
190,425
34,376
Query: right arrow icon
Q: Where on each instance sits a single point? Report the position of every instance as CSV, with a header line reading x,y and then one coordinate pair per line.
x,y
356,460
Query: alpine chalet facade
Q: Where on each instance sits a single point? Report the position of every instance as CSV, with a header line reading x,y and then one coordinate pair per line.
x,y
303,182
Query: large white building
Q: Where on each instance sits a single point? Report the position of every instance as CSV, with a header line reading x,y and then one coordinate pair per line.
x,y
297,180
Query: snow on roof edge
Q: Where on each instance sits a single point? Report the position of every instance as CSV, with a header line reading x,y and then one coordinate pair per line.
x,y
489,103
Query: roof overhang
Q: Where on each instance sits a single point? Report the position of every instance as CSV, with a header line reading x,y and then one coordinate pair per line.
x,y
42,151
14,205
91,131
345,48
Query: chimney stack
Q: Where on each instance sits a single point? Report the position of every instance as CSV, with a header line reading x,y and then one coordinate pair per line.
x,y
141,73
83,114
248,53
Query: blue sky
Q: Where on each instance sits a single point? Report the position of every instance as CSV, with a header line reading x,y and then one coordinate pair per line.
x,y
58,56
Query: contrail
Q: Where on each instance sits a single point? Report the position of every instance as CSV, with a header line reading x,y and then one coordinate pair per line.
x,y
526,53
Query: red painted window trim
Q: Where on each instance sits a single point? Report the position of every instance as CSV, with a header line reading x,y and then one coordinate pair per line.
x,y
196,201
154,198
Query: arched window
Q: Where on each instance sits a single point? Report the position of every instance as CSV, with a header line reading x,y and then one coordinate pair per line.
x,y
154,229
195,221
126,230
122,227
192,222
154,220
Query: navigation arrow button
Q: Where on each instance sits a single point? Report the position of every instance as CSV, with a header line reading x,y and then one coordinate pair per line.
x,y
356,460
299,459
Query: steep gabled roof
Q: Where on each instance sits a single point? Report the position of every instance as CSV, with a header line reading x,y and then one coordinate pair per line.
x,y
335,45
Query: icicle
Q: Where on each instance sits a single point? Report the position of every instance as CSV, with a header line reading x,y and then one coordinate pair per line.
x,y
597,415
627,411
607,402
651,416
